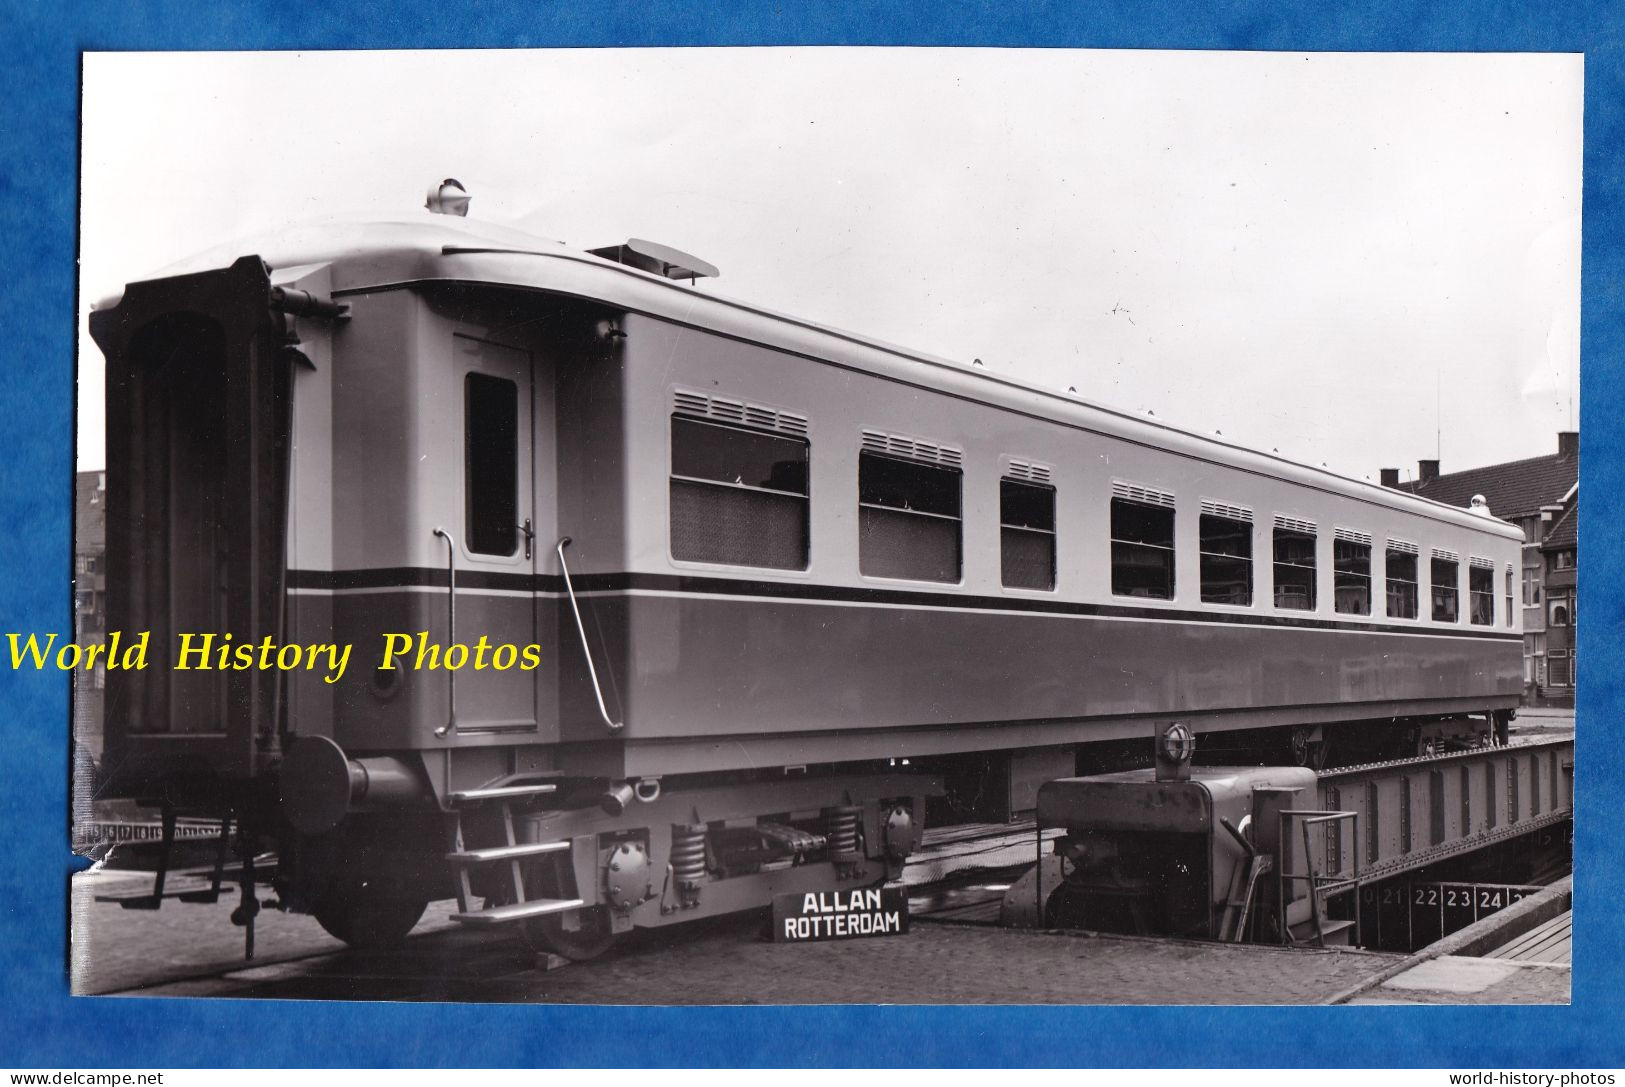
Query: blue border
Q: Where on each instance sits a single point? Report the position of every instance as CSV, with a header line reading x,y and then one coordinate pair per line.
x,y
41,1025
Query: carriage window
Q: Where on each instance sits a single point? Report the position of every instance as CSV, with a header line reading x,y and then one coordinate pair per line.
x,y
1509,596
1445,604
908,519
491,457
1027,534
738,496
1227,560
1481,594
1352,563
1295,565
1142,550
1402,589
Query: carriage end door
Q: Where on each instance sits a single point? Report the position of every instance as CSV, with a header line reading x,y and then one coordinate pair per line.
x,y
498,548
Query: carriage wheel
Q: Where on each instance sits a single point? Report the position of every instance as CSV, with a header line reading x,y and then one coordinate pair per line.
x,y
369,913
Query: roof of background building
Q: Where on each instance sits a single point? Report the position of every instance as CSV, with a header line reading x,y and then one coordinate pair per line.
x,y
1565,531
1514,489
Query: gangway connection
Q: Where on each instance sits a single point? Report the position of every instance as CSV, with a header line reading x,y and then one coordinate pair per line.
x,y
1387,855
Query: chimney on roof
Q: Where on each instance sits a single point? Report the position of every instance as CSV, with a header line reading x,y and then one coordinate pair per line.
x,y
1427,471
1568,443
1390,477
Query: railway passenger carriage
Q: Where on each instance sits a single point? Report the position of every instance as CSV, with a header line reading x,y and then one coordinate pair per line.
x,y
789,584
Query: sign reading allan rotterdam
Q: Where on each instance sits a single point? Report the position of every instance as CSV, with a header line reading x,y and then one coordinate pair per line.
x,y
839,915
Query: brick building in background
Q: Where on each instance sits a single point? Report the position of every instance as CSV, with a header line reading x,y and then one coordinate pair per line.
x,y
1541,496
89,604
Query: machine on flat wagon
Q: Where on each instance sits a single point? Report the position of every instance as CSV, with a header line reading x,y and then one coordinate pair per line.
x,y
662,604
1279,854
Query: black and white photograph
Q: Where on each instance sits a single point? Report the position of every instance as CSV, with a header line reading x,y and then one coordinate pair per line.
x,y
814,526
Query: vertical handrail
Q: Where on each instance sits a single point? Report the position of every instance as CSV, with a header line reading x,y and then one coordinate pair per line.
x,y
581,629
451,629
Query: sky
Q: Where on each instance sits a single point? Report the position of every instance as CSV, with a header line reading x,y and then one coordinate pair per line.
x,y
1357,260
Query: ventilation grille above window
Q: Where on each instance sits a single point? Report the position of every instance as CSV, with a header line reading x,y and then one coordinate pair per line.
x,y
1482,564
737,411
1448,556
1235,513
1133,492
1036,473
1349,535
1294,525
1405,547
896,445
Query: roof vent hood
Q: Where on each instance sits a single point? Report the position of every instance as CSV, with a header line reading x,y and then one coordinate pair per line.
x,y
661,260
448,198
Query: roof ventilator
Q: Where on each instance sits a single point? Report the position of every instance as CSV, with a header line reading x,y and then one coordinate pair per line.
x,y
657,259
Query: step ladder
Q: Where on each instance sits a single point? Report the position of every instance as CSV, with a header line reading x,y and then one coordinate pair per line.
x,y
512,853
1305,918
1309,924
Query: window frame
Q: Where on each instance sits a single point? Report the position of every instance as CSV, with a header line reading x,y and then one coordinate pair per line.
x,y
1228,515
1301,529
1487,570
1052,532
472,541
1412,552
1435,588
1171,549
958,474
673,477
1342,538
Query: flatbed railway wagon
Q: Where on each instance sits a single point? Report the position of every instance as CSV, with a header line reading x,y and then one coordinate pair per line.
x,y
790,588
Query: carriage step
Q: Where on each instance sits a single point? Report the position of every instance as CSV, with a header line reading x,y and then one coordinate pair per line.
x,y
500,792
506,852
518,911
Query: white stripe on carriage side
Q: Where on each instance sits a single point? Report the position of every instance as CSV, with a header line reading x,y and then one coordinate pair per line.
x,y
462,590
1440,631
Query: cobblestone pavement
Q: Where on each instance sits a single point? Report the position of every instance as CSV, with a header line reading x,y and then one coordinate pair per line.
x,y
724,961
112,949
